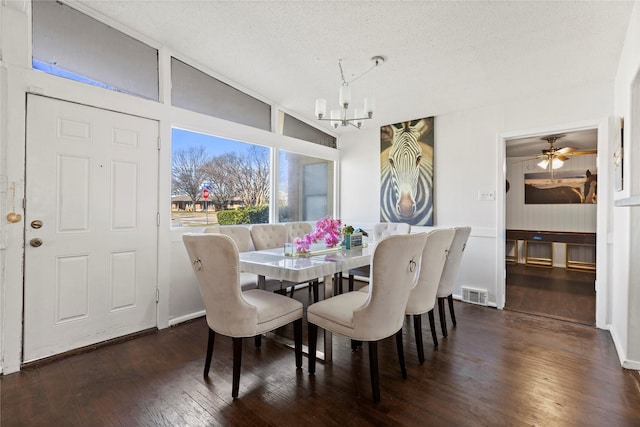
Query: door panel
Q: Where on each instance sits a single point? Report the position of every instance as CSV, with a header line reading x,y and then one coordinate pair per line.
x,y
92,181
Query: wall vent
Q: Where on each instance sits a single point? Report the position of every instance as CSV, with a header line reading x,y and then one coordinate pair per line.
x,y
475,296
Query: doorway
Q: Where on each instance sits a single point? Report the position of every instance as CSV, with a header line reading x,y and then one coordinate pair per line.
x,y
90,261
551,225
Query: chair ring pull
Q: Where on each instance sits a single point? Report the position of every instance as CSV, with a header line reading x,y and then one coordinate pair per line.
x,y
197,264
412,266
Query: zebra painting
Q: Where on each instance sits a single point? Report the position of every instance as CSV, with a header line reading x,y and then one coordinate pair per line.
x,y
406,172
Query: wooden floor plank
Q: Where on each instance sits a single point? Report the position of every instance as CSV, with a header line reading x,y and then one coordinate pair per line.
x,y
497,368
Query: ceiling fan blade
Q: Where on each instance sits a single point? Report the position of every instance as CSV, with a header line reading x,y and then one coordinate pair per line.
x,y
581,152
563,158
565,150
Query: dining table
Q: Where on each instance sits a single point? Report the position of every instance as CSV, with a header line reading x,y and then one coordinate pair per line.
x,y
323,264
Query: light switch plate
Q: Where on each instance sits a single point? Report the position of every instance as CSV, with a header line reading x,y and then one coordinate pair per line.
x,y
486,196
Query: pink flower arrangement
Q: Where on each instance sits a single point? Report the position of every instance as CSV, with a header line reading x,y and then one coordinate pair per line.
x,y
327,228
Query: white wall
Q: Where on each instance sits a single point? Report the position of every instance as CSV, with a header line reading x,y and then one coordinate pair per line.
x,y
467,162
625,273
551,217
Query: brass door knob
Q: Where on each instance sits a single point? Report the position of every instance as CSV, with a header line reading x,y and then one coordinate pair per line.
x,y
35,242
36,224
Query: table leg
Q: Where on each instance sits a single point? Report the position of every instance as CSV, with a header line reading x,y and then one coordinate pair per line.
x,y
262,282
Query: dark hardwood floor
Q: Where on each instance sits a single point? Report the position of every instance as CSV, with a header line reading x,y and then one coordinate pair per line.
x,y
553,292
497,368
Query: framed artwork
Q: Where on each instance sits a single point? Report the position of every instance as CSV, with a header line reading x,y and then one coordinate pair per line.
x,y
406,172
563,187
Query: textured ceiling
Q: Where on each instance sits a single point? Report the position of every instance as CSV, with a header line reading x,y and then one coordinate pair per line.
x,y
441,56
582,140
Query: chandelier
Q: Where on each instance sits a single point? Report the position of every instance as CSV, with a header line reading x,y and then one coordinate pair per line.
x,y
338,117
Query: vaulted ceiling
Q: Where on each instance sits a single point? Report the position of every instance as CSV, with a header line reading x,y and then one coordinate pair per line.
x,y
441,56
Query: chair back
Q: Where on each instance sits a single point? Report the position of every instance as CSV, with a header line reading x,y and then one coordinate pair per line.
x,y
452,266
384,229
423,296
297,229
214,259
268,236
395,268
240,235
212,229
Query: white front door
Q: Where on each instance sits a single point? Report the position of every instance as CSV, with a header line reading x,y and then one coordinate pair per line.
x,y
90,226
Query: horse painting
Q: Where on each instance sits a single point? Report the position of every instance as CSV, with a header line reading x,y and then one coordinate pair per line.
x,y
406,169
568,187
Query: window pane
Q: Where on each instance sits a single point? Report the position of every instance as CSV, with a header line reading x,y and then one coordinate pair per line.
x,y
196,91
234,174
71,44
305,187
298,129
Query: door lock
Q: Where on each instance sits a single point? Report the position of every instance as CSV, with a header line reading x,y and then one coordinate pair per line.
x,y
36,224
35,242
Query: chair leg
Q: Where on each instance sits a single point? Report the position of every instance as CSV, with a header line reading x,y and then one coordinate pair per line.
x,y
453,314
432,324
207,362
351,282
339,287
443,317
297,337
316,286
373,369
400,347
417,327
237,363
258,340
313,338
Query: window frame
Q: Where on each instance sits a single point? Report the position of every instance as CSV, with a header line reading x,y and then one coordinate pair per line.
x,y
194,122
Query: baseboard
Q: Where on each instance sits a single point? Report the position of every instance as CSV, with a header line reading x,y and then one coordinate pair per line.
x,y
624,362
186,318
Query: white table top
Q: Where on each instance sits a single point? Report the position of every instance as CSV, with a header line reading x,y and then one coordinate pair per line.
x,y
273,263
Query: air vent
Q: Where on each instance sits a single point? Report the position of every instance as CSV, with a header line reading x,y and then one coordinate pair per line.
x,y
475,296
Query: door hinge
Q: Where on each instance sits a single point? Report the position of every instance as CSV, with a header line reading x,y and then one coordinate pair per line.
x,y
157,219
157,296
159,143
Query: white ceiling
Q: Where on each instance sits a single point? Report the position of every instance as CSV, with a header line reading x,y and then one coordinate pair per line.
x,y
533,146
441,56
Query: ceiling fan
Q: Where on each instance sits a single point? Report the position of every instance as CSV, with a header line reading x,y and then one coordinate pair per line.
x,y
554,158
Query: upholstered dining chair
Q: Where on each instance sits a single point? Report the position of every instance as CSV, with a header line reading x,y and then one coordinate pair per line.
x,y
449,275
378,314
230,311
271,236
242,238
422,298
380,230
297,229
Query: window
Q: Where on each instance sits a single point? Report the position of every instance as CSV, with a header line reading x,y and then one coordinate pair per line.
x,y
70,44
298,129
196,91
305,188
218,181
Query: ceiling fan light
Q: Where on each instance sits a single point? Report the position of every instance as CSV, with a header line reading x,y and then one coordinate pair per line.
x,y
556,163
543,164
